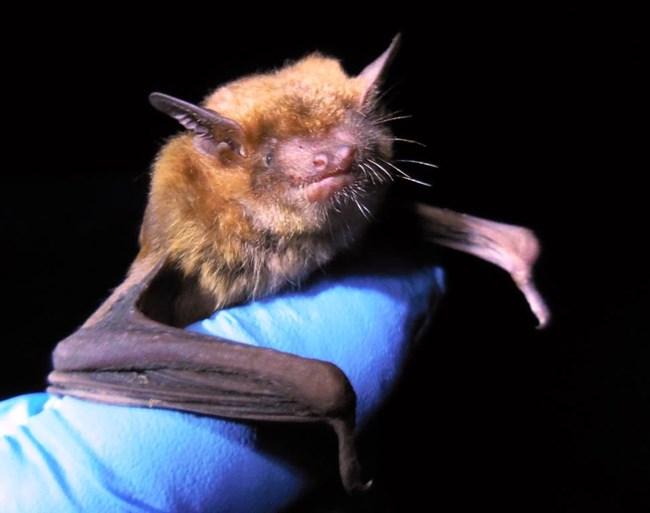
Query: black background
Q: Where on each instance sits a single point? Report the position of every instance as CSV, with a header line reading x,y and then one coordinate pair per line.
x,y
529,115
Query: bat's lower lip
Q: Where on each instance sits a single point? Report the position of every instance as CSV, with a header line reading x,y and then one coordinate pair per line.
x,y
322,190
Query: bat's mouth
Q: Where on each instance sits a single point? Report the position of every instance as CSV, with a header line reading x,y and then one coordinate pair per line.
x,y
325,187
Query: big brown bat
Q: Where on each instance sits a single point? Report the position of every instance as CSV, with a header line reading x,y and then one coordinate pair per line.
x,y
275,175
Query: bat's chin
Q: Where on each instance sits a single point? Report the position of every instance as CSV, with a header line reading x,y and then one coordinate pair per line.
x,y
323,190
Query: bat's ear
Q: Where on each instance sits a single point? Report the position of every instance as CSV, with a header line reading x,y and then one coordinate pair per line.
x,y
215,134
372,73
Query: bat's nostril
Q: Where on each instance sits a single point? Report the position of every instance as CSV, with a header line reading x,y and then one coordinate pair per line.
x,y
336,160
320,162
344,156
345,152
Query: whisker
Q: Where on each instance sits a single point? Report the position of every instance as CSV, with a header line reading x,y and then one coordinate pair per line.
x,y
388,119
389,163
419,182
363,209
380,117
374,173
399,139
367,171
404,175
388,173
418,162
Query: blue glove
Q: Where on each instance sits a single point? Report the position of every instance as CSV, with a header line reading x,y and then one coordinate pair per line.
x,y
60,454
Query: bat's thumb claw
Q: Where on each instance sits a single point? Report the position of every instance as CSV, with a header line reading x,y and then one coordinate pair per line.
x,y
358,487
536,302
349,466
366,486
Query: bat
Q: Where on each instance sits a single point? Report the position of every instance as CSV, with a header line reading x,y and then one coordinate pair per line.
x,y
274,176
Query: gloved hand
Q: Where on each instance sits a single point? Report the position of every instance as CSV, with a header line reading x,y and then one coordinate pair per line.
x,y
60,454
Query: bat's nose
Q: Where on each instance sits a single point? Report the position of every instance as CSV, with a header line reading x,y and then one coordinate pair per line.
x,y
338,160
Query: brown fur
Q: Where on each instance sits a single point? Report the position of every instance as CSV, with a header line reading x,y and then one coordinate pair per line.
x,y
238,228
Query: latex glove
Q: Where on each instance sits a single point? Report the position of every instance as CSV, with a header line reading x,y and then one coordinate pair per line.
x,y
68,455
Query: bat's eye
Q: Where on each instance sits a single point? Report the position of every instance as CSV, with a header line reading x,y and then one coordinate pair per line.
x,y
268,159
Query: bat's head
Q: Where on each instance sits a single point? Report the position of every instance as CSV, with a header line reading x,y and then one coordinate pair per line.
x,y
299,149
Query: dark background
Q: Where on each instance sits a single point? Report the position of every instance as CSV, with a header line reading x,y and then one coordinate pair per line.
x,y
529,116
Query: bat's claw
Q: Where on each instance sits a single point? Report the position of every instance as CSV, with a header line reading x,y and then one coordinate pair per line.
x,y
536,303
349,465
358,487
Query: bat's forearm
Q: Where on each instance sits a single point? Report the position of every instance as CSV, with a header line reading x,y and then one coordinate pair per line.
x,y
122,357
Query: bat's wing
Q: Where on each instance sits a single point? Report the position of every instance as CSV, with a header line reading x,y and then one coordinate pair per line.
x,y
119,356
513,248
